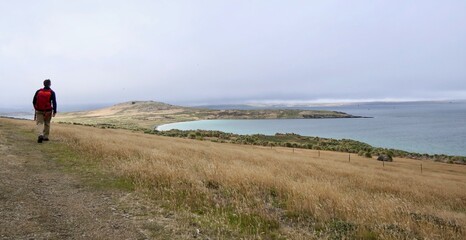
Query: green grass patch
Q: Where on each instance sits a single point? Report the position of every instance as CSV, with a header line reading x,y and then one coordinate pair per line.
x,y
251,223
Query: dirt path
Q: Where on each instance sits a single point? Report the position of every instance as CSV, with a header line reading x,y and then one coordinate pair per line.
x,y
38,200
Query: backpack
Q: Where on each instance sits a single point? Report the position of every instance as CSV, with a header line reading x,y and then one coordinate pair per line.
x,y
43,100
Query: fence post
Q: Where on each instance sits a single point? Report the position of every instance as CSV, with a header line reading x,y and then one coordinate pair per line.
x,y
318,151
349,157
421,167
383,163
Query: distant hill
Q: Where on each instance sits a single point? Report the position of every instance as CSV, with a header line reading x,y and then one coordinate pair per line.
x,y
146,114
133,107
145,106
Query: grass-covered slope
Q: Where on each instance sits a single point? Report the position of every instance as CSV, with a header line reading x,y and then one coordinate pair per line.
x,y
292,140
230,191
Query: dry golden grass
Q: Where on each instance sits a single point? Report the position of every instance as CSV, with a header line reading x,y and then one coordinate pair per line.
x,y
254,192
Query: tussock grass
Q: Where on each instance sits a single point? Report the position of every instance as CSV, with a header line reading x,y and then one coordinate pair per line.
x,y
233,191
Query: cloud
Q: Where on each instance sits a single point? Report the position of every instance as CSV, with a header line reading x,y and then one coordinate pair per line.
x,y
227,51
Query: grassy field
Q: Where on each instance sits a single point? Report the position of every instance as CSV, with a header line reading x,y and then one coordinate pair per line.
x,y
292,140
230,191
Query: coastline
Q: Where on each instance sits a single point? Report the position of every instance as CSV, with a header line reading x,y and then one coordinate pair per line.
x,y
24,116
142,115
152,116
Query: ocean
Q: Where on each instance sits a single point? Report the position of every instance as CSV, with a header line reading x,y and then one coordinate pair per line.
x,y
27,112
422,127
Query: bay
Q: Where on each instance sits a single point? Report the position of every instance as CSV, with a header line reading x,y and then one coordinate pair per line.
x,y
422,127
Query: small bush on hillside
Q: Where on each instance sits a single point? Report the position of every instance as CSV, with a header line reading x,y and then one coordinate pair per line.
x,y
385,157
458,159
192,135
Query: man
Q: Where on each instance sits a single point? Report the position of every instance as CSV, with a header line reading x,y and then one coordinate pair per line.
x,y
45,104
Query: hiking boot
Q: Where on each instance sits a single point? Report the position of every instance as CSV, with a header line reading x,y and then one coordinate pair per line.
x,y
40,139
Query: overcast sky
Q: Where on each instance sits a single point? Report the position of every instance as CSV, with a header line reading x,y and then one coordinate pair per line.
x,y
219,51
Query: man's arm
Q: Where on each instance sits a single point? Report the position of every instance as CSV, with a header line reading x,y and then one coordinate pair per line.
x,y
34,99
54,103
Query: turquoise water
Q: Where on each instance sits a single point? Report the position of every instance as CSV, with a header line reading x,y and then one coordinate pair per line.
x,y
423,127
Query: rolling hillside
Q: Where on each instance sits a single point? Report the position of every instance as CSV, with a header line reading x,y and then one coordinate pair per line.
x,y
147,114
211,190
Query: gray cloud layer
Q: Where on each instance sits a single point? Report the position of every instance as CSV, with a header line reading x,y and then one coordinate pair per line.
x,y
233,51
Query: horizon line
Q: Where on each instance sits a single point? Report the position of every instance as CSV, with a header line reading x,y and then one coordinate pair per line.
x,y
262,102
